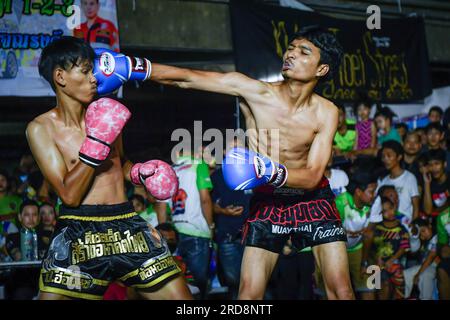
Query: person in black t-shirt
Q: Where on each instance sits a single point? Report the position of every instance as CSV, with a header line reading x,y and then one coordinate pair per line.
x,y
436,184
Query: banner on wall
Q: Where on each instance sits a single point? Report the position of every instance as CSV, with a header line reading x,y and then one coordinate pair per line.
x,y
389,65
27,26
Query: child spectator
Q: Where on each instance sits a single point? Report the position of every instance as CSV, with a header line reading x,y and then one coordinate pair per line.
x,y
436,184
9,203
404,181
435,136
435,114
384,124
402,129
345,137
338,178
366,134
424,274
390,241
150,213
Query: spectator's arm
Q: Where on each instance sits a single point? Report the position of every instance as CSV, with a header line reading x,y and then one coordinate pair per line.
x,y
207,205
367,242
160,208
427,200
373,142
428,261
415,203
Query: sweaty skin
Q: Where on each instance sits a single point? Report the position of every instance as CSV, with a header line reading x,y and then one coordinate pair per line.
x,y
306,122
55,138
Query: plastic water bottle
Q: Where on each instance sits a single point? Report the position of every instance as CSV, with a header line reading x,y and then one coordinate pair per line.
x,y
28,244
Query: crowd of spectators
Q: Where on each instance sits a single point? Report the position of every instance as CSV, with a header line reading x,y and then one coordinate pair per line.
x,y
392,193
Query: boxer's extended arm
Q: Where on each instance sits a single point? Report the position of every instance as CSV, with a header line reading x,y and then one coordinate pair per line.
x,y
126,164
319,154
71,186
232,83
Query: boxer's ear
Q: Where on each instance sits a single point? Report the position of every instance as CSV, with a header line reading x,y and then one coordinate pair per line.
x,y
59,77
322,70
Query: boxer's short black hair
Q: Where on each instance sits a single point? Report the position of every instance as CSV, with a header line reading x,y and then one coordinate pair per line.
x,y
437,155
393,145
331,51
65,52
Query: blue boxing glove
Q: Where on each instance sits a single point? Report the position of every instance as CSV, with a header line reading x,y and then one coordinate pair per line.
x,y
244,169
112,69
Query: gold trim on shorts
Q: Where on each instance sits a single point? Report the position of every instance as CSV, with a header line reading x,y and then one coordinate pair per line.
x,y
67,293
99,219
156,281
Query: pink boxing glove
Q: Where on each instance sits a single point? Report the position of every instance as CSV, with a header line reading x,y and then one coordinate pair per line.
x,y
158,177
104,121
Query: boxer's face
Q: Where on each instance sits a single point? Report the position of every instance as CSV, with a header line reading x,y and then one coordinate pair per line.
x,y
78,82
29,217
90,8
301,61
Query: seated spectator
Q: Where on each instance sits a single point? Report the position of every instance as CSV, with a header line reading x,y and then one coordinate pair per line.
x,y
435,136
150,213
385,128
436,195
424,274
23,284
354,208
402,129
389,241
404,181
345,137
435,114
443,234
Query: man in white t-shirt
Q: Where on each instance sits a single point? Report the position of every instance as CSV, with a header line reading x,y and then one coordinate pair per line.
x,y
404,181
192,215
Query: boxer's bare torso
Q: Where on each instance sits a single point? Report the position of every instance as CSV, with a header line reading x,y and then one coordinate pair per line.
x,y
296,127
55,143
